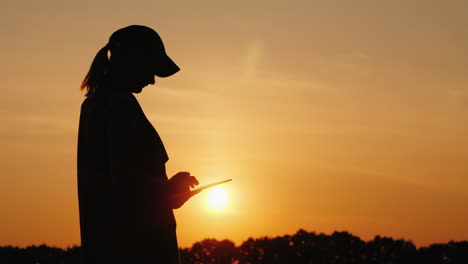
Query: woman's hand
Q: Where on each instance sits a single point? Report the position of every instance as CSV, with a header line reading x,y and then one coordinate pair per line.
x,y
180,185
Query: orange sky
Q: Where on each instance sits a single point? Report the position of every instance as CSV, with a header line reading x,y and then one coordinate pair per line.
x,y
328,115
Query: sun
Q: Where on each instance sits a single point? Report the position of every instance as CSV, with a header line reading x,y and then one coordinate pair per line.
x,y
217,198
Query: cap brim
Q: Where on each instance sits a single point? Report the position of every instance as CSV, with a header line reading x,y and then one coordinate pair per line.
x,y
166,67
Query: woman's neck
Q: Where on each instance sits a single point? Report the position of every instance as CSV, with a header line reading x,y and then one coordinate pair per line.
x,y
117,82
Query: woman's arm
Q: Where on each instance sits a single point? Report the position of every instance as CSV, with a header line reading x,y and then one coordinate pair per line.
x,y
136,167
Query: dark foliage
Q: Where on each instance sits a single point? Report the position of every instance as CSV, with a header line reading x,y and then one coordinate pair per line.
x,y
301,248
39,255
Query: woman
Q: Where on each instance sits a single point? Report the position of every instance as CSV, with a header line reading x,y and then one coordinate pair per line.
x,y
125,197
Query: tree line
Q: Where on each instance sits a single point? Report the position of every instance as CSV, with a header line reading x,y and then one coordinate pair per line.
x,y
301,248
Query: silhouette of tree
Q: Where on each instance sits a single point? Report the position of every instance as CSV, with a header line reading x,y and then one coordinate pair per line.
x,y
453,252
387,250
301,248
266,250
41,254
210,251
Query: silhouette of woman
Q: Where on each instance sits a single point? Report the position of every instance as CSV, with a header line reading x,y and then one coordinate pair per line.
x,y
125,197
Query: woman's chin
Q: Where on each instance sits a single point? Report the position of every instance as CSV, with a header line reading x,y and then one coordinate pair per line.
x,y
137,89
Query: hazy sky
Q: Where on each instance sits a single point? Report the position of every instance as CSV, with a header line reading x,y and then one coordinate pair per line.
x,y
328,115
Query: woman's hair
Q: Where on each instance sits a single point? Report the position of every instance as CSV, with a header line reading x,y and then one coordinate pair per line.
x,y
97,73
129,46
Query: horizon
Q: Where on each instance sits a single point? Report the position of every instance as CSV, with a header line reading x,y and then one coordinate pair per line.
x,y
300,247
265,237
327,115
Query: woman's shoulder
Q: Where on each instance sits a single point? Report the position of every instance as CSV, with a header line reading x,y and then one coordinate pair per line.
x,y
119,104
112,100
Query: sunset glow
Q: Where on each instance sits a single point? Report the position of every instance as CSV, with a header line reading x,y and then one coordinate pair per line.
x,y
217,198
327,115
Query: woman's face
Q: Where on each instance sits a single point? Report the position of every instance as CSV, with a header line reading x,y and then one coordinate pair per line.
x,y
141,74
135,70
142,78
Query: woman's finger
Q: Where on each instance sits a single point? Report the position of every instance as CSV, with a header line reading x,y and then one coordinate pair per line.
x,y
194,180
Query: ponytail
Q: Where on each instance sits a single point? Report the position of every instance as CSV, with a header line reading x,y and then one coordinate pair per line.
x,y
97,73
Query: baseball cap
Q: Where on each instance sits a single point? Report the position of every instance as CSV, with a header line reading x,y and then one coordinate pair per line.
x,y
147,40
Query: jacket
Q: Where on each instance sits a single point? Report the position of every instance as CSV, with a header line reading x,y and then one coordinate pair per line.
x,y
122,184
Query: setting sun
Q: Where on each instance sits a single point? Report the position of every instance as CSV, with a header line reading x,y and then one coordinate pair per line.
x,y
217,198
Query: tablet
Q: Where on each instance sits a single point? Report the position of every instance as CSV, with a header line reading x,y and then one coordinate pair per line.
x,y
210,185
203,187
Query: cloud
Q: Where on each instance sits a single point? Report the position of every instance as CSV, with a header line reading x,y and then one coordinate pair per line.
x,y
251,58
